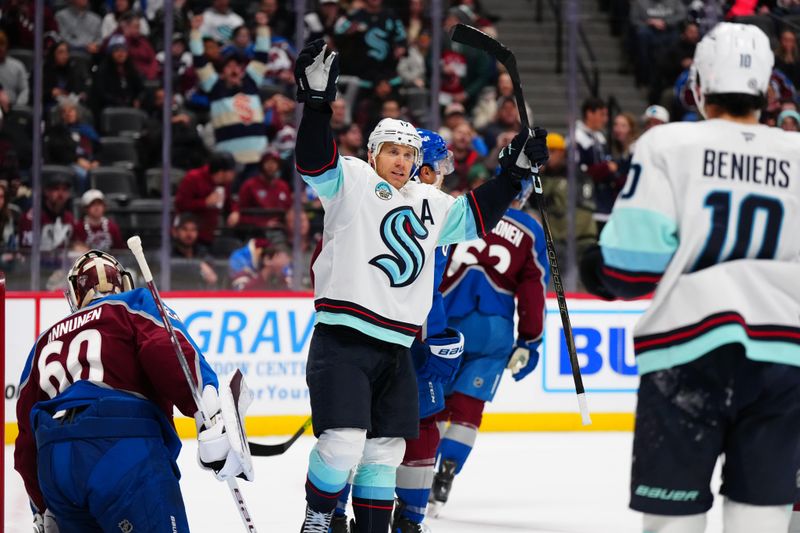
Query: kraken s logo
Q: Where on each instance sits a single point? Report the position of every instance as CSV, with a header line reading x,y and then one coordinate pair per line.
x,y
400,231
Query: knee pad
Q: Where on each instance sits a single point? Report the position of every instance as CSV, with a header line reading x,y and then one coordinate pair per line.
x,y
341,448
387,451
745,518
695,523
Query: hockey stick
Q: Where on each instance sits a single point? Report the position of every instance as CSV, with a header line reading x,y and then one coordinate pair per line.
x,y
135,245
477,39
269,450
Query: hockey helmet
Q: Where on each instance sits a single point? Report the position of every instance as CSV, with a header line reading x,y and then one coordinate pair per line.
x,y
731,58
435,152
93,275
390,130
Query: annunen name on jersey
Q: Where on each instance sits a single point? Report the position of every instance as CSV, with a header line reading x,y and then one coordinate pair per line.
x,y
746,168
73,323
509,232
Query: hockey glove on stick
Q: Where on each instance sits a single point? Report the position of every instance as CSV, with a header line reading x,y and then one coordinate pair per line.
x,y
523,359
213,445
445,357
514,164
536,148
44,523
316,72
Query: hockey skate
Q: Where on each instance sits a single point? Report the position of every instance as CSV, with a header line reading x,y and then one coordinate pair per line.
x,y
339,524
401,524
440,490
316,522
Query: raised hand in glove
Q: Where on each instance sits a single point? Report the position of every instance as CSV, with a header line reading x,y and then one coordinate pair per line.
x,y
316,72
213,446
524,358
44,522
536,147
526,148
442,363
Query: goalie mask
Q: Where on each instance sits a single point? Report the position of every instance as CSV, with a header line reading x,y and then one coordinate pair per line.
x,y
390,130
731,59
96,274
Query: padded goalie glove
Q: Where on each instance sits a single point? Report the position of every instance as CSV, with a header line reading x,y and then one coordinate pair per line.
x,y
316,71
524,358
214,450
442,363
44,523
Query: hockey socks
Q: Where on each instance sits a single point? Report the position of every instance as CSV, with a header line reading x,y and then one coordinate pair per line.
x,y
415,475
341,504
323,484
373,497
457,444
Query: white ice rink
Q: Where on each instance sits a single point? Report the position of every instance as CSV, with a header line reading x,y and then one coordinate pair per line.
x,y
514,482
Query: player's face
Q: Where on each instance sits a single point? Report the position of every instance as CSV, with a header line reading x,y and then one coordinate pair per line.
x,y
394,163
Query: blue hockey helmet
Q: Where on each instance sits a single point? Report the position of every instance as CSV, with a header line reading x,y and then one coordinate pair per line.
x,y
435,153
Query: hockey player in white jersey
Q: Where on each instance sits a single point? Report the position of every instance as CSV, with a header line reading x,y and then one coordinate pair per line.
x,y
373,280
708,217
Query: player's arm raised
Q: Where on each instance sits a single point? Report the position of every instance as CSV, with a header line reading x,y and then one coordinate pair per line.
x,y
316,155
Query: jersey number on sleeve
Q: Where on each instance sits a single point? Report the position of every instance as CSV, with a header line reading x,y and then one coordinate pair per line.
x,y
720,204
66,372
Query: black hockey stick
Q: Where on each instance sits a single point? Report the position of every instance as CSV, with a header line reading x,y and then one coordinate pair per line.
x,y
269,450
477,39
135,245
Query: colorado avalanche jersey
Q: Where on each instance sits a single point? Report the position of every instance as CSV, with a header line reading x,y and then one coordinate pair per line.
x,y
375,270
710,212
115,345
486,275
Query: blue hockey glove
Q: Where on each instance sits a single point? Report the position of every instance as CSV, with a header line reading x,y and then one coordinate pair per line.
x,y
316,72
446,351
523,359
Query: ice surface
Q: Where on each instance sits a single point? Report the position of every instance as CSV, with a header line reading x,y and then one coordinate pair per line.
x,y
514,482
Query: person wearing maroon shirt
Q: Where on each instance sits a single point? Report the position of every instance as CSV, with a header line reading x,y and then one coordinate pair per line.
x,y
265,191
96,230
57,222
206,192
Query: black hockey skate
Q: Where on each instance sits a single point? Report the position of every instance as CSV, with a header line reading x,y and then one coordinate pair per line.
x,y
402,524
442,483
339,524
316,522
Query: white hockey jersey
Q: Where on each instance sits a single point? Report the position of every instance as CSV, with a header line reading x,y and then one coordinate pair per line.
x,y
714,208
375,270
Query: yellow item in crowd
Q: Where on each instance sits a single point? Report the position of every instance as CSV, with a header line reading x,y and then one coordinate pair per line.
x,y
556,141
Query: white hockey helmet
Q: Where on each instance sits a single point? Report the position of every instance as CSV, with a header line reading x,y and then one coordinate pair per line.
x,y
93,275
391,130
731,58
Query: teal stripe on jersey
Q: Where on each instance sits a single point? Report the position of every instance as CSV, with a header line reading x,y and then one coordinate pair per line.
x,y
324,477
374,482
757,350
639,240
328,183
460,224
337,319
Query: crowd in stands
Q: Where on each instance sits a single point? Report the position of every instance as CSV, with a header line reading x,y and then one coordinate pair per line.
x,y
233,118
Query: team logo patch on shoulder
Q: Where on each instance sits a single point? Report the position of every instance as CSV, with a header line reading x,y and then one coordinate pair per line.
x,y
383,191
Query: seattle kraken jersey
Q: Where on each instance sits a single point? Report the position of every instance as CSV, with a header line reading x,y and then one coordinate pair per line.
x,y
486,275
710,213
117,343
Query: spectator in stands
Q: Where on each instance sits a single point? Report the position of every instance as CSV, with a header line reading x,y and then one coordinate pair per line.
x,y
505,120
454,114
274,271
594,158
95,229
673,61
80,27
116,81
339,115
350,142
112,19
310,234
320,22
236,113
654,115
61,76
746,8
183,75
779,90
265,191
191,253
139,48
241,44
9,219
243,262
789,120
655,25
188,149
787,56
219,21
467,161
624,132
57,222
17,22
417,19
278,113
206,193
413,67
369,106
281,21
72,142
180,20
485,110
13,76
371,39
465,70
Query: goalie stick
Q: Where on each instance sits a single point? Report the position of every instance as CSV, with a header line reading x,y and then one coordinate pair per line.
x,y
477,39
269,450
135,245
